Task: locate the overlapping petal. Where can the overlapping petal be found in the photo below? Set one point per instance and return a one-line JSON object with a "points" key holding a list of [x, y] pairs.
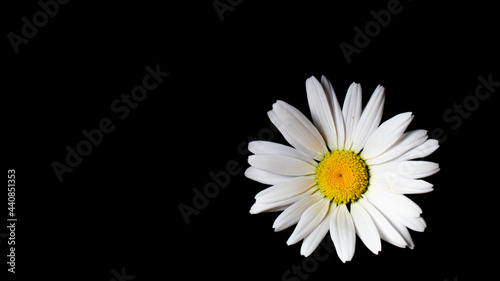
{"points": [[369, 120]]}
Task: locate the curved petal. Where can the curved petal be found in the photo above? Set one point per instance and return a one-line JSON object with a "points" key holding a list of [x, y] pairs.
{"points": [[391, 216], [343, 233], [293, 137], [422, 150], [386, 135], [407, 142], [296, 120], [401, 228], [279, 205], [351, 111], [365, 228], [298, 130], [370, 119], [312, 240], [416, 223], [309, 220], [292, 214], [285, 190], [386, 230], [282, 165], [394, 203], [320, 112], [336, 113]]}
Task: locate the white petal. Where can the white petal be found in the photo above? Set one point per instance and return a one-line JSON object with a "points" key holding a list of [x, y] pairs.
{"points": [[370, 119], [351, 111], [422, 150], [402, 230], [267, 147], [395, 203], [291, 135], [418, 187], [309, 220], [281, 105], [418, 169], [272, 207], [320, 111], [416, 224], [282, 165], [279, 208], [386, 135], [264, 176], [312, 240], [343, 233], [300, 128], [365, 228], [396, 183], [336, 113], [409, 169], [292, 214], [386, 230], [393, 217], [408, 141], [285, 190]]}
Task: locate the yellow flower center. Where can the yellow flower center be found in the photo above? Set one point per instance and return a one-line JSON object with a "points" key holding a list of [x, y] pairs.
{"points": [[342, 176]]}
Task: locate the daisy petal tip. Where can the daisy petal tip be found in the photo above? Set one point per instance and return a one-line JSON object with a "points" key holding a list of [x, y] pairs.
{"points": [[292, 240], [254, 210], [276, 104], [324, 80], [247, 172], [311, 79], [277, 228], [312, 83], [250, 159], [380, 89], [305, 253]]}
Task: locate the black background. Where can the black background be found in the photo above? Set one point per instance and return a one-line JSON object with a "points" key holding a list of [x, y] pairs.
{"points": [[119, 207]]}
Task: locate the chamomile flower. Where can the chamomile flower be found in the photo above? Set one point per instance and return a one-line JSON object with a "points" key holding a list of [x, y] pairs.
{"points": [[344, 173]]}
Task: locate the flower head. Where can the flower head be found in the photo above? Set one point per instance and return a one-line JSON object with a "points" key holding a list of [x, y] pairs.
{"points": [[344, 173]]}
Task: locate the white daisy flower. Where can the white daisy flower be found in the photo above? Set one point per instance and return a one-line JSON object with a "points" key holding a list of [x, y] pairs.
{"points": [[344, 173]]}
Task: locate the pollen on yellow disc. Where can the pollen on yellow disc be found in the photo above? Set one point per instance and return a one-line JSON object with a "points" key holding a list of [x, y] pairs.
{"points": [[342, 176]]}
